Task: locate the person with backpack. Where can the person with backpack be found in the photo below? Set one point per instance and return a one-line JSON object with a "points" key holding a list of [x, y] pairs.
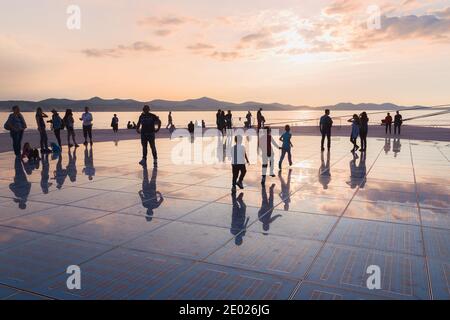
{"points": [[325, 129], [69, 124], [16, 126], [57, 126]]}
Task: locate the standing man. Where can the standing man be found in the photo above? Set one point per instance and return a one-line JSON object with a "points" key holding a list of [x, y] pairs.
{"points": [[16, 125], [115, 123], [57, 125], [229, 120], [87, 125], [325, 128], [398, 121], [249, 120], [260, 118], [148, 121], [388, 123], [40, 122]]}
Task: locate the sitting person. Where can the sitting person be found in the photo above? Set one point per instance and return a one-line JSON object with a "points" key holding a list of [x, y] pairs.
{"points": [[30, 153]]}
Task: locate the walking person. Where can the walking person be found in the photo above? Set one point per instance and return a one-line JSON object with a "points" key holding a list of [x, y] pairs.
{"points": [[325, 129], [115, 123], [87, 119], [286, 146], [363, 130], [40, 122], [238, 161], [169, 121], [16, 125], [146, 128], [57, 126], [69, 124], [398, 121], [355, 131], [388, 123], [267, 153]]}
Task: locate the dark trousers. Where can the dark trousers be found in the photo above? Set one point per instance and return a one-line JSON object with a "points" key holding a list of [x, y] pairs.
{"points": [[283, 154], [239, 171], [326, 134], [148, 138], [363, 136], [57, 133], [17, 141], [397, 126], [43, 139], [389, 127], [87, 131]]}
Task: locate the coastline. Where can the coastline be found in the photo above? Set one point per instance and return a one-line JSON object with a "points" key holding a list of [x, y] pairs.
{"points": [[105, 135]]}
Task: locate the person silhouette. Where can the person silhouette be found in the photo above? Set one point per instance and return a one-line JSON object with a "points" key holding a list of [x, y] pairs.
{"points": [[239, 221], [45, 176], [285, 189], [21, 187], [89, 168], [266, 210], [324, 171], [398, 121], [358, 172], [150, 197], [325, 124]]}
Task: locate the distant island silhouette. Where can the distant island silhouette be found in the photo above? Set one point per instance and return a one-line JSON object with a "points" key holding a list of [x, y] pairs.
{"points": [[201, 104]]}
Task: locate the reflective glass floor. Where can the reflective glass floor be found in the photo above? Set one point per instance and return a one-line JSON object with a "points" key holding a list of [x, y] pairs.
{"points": [[178, 233]]}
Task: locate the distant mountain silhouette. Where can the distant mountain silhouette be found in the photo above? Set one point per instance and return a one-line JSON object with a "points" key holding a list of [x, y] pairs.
{"points": [[201, 104]]}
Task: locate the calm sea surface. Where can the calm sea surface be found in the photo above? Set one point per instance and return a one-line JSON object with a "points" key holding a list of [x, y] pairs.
{"points": [[102, 120]]}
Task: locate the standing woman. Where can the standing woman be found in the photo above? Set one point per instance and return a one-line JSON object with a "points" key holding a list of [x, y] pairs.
{"points": [[355, 131], [69, 123], [363, 129], [40, 115], [16, 125], [57, 125]]}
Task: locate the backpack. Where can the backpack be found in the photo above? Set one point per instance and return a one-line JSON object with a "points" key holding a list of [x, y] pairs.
{"points": [[58, 123]]}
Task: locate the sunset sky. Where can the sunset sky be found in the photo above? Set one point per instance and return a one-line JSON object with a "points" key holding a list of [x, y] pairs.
{"points": [[302, 52]]}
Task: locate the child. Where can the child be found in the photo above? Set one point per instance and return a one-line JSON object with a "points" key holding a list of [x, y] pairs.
{"points": [[30, 153], [286, 147], [239, 158], [355, 132], [267, 154]]}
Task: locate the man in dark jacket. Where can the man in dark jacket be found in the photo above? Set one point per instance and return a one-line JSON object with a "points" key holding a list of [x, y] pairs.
{"points": [[325, 128], [146, 127]]}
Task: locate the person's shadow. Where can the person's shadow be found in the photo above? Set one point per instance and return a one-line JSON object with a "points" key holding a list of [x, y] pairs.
{"points": [[89, 168], [45, 175], [21, 187], [285, 189], [324, 171], [239, 221], [387, 145], [266, 211], [151, 199], [397, 146]]}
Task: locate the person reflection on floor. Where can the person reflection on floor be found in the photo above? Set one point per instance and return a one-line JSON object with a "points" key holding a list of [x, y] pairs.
{"points": [[72, 166], [266, 211], [21, 187], [285, 189], [396, 146], [59, 174], [239, 221], [387, 145], [45, 176], [151, 199], [324, 171], [358, 172], [89, 168]]}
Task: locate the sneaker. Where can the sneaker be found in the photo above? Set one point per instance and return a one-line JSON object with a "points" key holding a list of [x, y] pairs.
{"points": [[240, 185], [143, 162]]}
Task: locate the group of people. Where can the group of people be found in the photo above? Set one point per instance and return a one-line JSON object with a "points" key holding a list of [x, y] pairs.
{"points": [[16, 126]]}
